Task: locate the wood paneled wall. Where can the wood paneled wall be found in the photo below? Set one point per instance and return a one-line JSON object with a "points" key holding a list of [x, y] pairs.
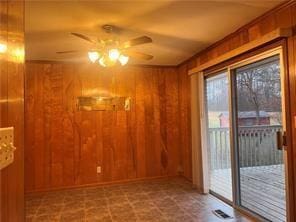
{"points": [[64, 146], [12, 107], [283, 16], [185, 121]]}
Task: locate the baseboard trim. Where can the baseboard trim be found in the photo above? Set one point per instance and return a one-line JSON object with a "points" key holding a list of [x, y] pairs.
{"points": [[99, 184]]}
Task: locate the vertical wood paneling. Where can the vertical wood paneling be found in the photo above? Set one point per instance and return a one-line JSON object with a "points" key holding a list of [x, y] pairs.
{"points": [[3, 97], [12, 108], [172, 115], [127, 145], [68, 125], [185, 121]]}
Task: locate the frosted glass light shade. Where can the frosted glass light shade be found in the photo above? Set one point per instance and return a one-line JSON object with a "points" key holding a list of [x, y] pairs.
{"points": [[93, 56], [114, 54], [123, 59]]}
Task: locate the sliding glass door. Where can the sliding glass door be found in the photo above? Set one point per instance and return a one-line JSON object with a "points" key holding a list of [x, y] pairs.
{"points": [[219, 156], [245, 127], [258, 118]]}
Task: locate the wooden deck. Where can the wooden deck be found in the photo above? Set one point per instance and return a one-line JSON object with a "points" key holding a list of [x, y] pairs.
{"points": [[262, 189]]}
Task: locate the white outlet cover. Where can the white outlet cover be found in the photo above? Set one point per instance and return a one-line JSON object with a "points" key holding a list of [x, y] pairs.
{"points": [[99, 169], [6, 146]]}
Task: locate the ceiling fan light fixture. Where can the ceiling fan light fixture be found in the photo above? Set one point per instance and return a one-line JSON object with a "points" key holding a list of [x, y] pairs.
{"points": [[114, 54], [93, 56], [110, 51], [102, 61], [123, 59], [3, 48]]}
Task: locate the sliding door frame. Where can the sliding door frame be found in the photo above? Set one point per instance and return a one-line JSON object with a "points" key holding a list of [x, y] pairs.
{"points": [[277, 48], [206, 125], [267, 54]]}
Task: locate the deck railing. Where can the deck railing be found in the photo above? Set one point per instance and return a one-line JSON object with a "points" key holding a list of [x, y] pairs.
{"points": [[257, 146]]}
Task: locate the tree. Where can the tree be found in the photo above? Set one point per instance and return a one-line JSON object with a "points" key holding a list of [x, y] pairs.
{"points": [[258, 89]]}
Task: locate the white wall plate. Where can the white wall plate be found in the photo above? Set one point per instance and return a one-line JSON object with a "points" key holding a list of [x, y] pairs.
{"points": [[6, 146]]}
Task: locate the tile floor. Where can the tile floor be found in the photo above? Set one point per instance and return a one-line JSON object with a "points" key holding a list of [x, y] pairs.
{"points": [[169, 200]]}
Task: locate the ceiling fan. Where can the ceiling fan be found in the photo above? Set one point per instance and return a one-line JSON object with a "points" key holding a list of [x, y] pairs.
{"points": [[108, 52]]}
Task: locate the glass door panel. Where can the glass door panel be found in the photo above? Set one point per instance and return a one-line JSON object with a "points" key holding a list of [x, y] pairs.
{"points": [[258, 119], [218, 136]]}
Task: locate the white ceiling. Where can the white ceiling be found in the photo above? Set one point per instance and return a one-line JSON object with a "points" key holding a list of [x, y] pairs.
{"points": [[179, 29]]}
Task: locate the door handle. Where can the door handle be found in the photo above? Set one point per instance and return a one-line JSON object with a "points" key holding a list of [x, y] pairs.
{"points": [[281, 140]]}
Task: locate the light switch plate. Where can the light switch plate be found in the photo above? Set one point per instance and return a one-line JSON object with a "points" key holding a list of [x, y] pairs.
{"points": [[6, 146]]}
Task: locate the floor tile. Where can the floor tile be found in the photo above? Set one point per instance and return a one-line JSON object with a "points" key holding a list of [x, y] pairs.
{"points": [[166, 200]]}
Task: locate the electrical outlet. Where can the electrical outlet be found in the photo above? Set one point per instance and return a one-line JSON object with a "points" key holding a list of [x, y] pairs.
{"points": [[99, 169]]}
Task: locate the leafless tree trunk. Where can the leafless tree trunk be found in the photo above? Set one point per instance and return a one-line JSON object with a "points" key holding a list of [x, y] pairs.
{"points": [[247, 81]]}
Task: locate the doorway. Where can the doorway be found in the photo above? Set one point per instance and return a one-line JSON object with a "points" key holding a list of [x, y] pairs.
{"points": [[245, 128]]}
